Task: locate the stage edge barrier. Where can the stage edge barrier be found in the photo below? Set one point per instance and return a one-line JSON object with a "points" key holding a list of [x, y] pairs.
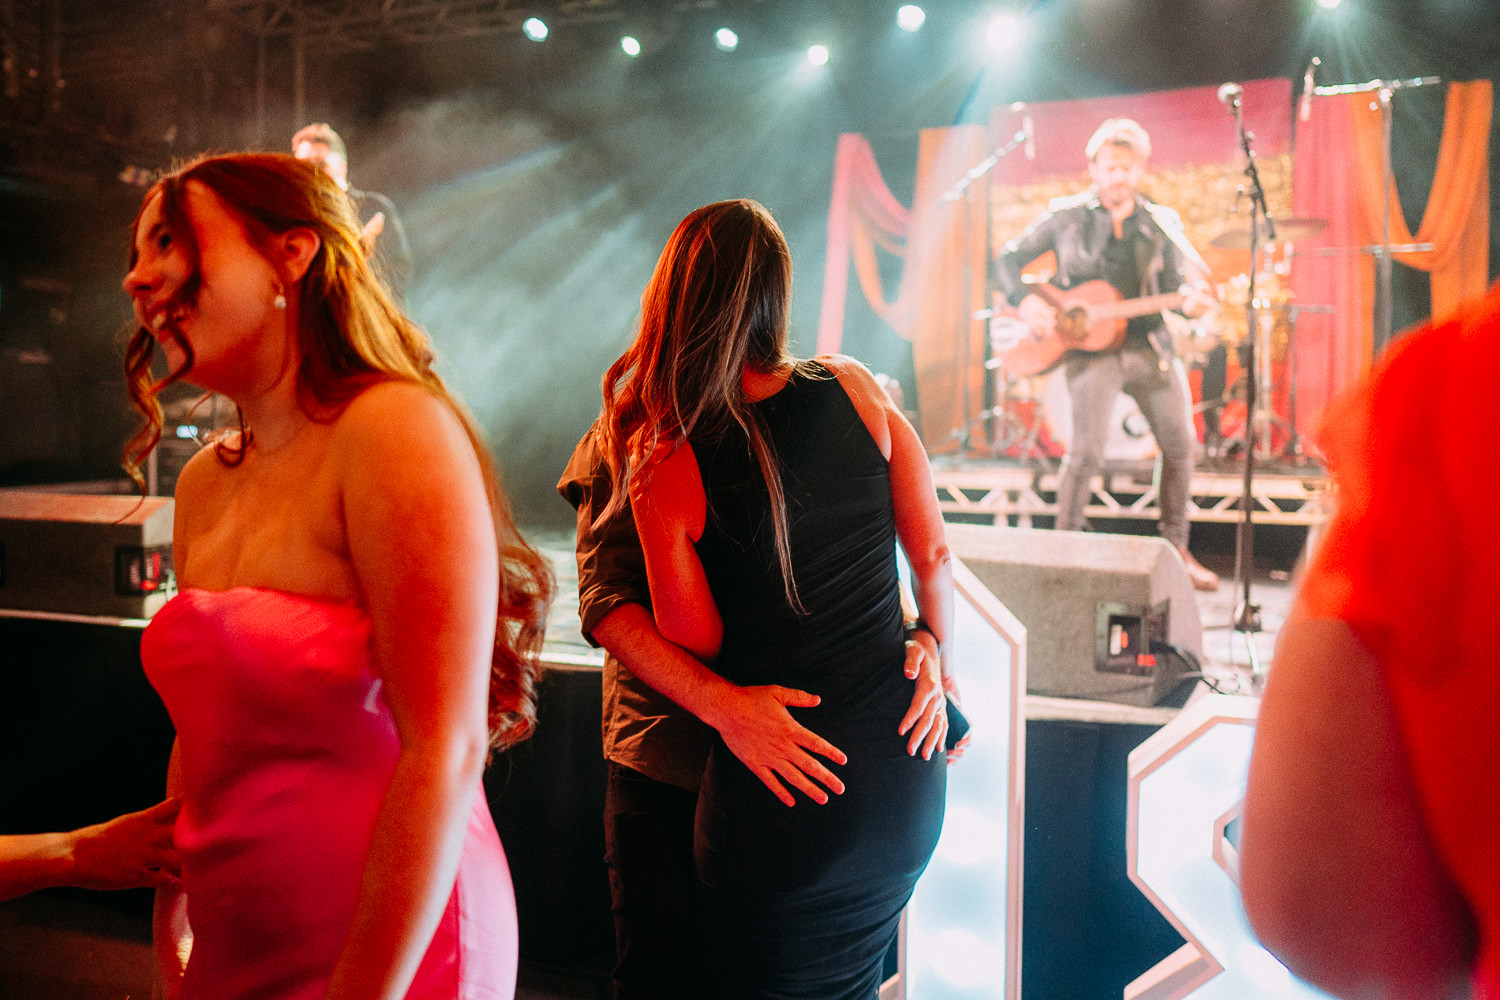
{"points": [[961, 934]]}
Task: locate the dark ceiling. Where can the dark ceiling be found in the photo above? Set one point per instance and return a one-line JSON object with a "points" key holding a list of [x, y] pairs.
{"points": [[153, 79]]}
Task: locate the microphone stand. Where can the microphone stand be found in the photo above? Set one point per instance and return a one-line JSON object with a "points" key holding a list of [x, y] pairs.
{"points": [[964, 189], [1247, 616]]}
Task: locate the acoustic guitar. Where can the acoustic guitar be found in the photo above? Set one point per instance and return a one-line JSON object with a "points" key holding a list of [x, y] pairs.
{"points": [[1090, 317]]}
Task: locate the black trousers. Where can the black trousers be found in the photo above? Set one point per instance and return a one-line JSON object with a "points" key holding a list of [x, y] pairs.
{"points": [[648, 845]]}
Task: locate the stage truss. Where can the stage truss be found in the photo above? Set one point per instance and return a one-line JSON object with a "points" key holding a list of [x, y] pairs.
{"points": [[998, 493]]}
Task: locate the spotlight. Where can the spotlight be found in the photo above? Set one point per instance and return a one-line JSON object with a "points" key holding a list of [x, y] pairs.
{"points": [[535, 29], [631, 46], [726, 39], [910, 17], [1004, 32], [1329, 4], [817, 55]]}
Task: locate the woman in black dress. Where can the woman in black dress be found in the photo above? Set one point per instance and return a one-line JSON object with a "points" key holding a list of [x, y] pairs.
{"points": [[769, 495]]}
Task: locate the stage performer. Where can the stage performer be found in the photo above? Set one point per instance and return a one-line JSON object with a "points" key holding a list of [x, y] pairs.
{"points": [[656, 747], [1372, 814], [358, 620], [319, 144], [769, 495], [1112, 233]]}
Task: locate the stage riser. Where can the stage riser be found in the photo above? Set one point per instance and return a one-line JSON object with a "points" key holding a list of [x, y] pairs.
{"points": [[1015, 495]]}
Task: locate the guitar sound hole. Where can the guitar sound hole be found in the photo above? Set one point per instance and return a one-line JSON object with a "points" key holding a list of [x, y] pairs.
{"points": [[1073, 324]]}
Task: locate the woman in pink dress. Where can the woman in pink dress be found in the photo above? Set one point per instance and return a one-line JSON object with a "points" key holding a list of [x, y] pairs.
{"points": [[358, 619]]}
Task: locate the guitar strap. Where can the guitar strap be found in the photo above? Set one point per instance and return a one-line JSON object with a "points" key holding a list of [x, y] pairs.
{"points": [[1150, 261], [1170, 224]]}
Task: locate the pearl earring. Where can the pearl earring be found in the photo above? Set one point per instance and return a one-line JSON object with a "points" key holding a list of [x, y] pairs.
{"points": [[280, 300]]}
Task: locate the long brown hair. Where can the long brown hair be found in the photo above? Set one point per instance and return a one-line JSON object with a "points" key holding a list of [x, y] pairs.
{"points": [[717, 302], [351, 335]]}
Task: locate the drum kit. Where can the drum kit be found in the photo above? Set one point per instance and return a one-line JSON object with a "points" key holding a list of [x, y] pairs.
{"points": [[1031, 415]]}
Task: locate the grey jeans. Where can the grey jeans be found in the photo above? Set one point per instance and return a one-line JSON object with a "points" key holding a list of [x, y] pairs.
{"points": [[1094, 380]]}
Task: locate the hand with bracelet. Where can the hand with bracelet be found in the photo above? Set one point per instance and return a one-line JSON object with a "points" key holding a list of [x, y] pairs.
{"points": [[936, 699]]}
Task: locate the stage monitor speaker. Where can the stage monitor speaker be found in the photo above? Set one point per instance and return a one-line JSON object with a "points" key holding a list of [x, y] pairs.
{"points": [[85, 554], [1099, 609]]}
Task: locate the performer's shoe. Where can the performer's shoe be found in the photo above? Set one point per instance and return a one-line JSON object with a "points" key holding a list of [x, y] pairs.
{"points": [[1203, 578]]}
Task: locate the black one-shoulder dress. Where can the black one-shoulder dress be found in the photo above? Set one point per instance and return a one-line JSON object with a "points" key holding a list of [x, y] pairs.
{"points": [[804, 901]]}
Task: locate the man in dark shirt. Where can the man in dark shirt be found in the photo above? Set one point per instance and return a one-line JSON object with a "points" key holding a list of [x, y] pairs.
{"points": [[657, 746], [1111, 232], [383, 236]]}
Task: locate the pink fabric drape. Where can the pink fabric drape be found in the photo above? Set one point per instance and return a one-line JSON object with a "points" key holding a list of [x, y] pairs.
{"points": [[864, 214], [942, 284]]}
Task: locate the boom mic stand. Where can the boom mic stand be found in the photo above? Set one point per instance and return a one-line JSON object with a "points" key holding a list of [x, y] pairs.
{"points": [[1247, 615], [964, 189]]}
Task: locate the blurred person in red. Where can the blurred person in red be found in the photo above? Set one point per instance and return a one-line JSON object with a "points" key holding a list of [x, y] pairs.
{"points": [[1372, 816]]}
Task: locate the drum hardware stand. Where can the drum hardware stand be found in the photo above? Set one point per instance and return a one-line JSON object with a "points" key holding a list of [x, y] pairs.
{"points": [[964, 189], [1261, 386], [1294, 449], [1247, 616], [1383, 90], [1011, 430]]}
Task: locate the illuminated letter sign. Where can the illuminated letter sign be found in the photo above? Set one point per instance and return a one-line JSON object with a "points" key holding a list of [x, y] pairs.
{"points": [[1187, 787]]}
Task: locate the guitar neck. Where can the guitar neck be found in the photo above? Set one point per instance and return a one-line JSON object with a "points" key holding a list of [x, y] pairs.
{"points": [[1131, 308], [1100, 310]]}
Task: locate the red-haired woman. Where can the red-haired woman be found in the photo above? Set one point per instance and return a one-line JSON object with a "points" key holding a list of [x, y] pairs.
{"points": [[357, 620], [769, 495]]}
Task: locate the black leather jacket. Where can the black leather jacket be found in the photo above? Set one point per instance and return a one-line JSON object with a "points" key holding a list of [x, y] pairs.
{"points": [[1078, 229]]}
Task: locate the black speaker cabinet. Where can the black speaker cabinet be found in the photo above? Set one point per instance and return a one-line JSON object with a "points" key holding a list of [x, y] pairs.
{"points": [[85, 554], [1099, 609]]}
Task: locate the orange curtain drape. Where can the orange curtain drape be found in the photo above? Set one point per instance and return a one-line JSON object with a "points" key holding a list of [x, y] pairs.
{"points": [[944, 285], [1457, 219], [1334, 280]]}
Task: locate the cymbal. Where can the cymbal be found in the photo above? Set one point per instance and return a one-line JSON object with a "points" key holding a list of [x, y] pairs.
{"points": [[1287, 231]]}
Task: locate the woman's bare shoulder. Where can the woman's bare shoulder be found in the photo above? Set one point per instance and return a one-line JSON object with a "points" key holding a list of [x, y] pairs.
{"points": [[396, 411], [392, 398], [858, 381], [869, 399], [843, 366], [202, 473]]}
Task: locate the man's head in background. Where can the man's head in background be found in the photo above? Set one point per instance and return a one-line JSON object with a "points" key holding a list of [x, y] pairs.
{"points": [[318, 143]]}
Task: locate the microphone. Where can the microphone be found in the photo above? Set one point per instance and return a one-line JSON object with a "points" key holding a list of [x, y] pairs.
{"points": [[1027, 135], [1304, 109], [1229, 95]]}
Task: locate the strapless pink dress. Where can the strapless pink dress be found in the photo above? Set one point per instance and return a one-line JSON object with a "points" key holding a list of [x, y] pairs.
{"points": [[287, 748]]}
